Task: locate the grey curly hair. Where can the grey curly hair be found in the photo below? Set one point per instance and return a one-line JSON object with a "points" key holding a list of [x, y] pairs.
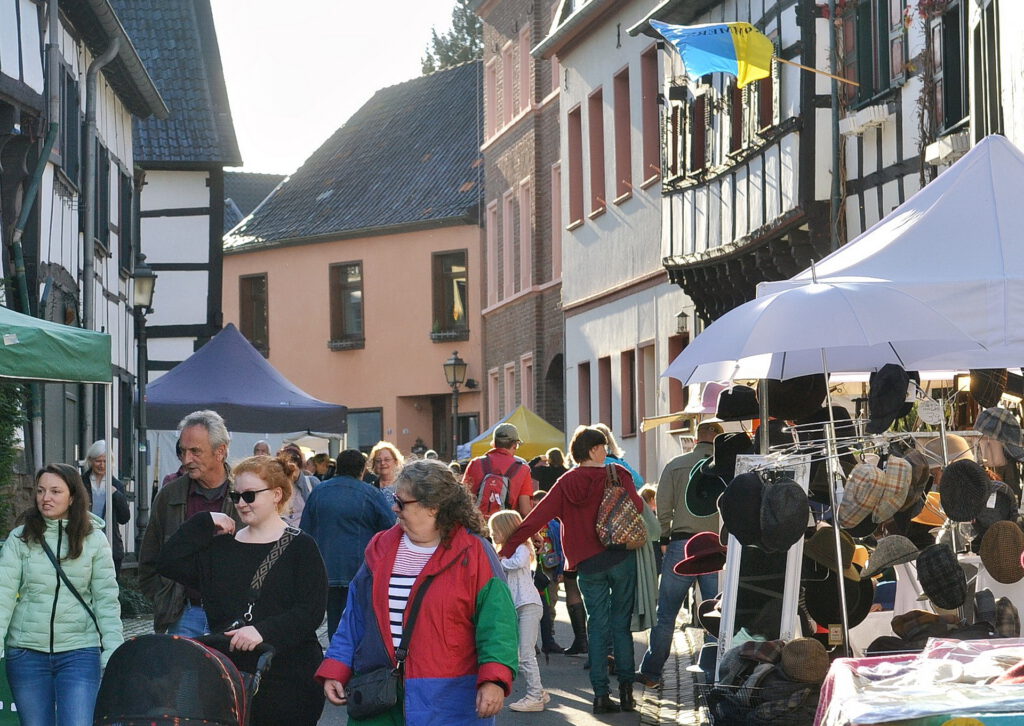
{"points": [[434, 486]]}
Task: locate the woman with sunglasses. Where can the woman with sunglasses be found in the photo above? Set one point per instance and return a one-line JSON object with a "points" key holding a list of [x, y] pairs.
{"points": [[464, 646], [209, 554]]}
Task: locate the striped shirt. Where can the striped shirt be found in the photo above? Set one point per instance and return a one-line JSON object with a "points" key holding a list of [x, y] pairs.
{"points": [[409, 563]]}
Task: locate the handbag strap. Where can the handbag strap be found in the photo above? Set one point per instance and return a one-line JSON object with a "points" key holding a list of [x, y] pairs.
{"points": [[402, 651], [260, 575], [67, 582], [613, 476]]}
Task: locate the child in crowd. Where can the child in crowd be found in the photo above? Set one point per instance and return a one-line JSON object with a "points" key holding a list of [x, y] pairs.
{"points": [[528, 606], [547, 543]]}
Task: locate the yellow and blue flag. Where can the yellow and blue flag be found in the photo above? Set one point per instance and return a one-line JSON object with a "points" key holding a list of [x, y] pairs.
{"points": [[736, 48]]}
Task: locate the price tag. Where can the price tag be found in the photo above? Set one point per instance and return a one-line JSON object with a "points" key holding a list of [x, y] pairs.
{"points": [[835, 634], [930, 411], [991, 503], [11, 339]]}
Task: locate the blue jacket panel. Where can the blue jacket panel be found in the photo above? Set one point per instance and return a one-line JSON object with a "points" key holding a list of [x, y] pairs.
{"points": [[342, 515]]}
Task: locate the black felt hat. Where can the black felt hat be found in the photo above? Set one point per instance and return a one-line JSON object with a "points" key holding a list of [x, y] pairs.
{"points": [[727, 448], [778, 435], [818, 486], [738, 403], [886, 396], [812, 427], [795, 398], [941, 577], [784, 514], [703, 490], [963, 490], [740, 507], [821, 596]]}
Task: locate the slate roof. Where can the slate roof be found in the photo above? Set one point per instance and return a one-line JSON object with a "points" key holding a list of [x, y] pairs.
{"points": [[410, 156], [178, 43], [243, 192]]}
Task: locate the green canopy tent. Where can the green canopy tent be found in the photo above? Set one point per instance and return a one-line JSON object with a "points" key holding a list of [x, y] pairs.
{"points": [[39, 350]]}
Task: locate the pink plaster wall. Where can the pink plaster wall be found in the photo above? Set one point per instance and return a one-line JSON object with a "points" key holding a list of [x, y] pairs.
{"points": [[399, 359]]}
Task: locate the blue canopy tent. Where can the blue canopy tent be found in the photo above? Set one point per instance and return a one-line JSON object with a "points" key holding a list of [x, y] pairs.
{"points": [[229, 376]]}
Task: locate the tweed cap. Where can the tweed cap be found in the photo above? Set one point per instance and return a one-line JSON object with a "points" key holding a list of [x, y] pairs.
{"points": [[863, 491], [941, 577], [805, 660], [738, 403], [964, 490], [892, 550], [784, 513], [886, 396], [1001, 550], [702, 555], [1003, 507], [895, 485], [795, 398], [821, 548], [918, 624], [740, 507], [984, 606], [1007, 618], [1001, 424], [920, 474]]}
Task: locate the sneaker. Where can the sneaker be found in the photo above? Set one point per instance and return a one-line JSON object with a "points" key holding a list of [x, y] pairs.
{"points": [[527, 704], [545, 697]]}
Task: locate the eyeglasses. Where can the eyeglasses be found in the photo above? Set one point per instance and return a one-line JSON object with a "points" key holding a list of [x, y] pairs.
{"points": [[400, 503], [248, 497]]}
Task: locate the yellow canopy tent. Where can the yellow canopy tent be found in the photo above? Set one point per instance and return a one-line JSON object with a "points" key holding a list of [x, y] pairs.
{"points": [[537, 435]]}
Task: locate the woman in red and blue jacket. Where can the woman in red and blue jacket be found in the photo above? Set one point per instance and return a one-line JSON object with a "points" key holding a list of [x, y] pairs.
{"points": [[464, 648]]}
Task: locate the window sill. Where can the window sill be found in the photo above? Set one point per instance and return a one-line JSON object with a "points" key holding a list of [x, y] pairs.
{"points": [[630, 435], [447, 336], [346, 344], [649, 181], [597, 212], [624, 197], [575, 224]]}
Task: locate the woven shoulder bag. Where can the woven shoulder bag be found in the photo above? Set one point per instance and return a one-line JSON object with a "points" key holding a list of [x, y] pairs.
{"points": [[619, 525]]}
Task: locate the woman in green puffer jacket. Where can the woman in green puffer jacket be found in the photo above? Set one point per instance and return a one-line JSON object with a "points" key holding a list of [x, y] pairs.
{"points": [[51, 640]]}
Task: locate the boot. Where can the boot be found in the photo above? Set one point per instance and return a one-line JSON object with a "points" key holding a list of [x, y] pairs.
{"points": [[578, 618], [626, 700], [605, 704], [547, 632]]}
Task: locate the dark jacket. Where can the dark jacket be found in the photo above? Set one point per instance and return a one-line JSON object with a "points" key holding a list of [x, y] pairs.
{"points": [[166, 515], [342, 515], [122, 512]]}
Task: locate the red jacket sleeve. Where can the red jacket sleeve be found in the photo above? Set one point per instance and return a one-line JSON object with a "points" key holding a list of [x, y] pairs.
{"points": [[472, 475], [546, 510]]}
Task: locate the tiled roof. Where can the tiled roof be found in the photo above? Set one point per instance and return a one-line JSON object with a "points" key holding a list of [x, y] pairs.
{"points": [[409, 156], [178, 43], [246, 190]]}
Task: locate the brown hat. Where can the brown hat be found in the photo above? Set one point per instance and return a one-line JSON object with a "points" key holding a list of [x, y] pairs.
{"points": [[914, 502], [821, 548], [805, 660], [1000, 552]]}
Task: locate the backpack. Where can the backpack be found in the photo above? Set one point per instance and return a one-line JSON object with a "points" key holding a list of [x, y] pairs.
{"points": [[619, 526], [493, 493]]}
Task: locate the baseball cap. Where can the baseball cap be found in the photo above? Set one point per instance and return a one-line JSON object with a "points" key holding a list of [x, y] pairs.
{"points": [[506, 432]]}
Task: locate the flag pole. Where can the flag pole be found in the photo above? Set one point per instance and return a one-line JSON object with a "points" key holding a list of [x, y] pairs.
{"points": [[815, 70]]}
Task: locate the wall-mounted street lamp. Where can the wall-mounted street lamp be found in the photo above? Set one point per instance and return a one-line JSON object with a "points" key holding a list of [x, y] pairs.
{"points": [[455, 375]]}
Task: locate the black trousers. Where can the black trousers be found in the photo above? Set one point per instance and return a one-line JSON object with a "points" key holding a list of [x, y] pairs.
{"points": [[337, 595]]}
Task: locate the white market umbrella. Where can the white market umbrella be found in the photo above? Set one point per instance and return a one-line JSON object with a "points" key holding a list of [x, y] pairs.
{"points": [[862, 326]]}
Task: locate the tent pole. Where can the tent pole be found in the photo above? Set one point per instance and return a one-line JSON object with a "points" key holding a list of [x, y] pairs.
{"points": [[830, 452], [108, 429]]}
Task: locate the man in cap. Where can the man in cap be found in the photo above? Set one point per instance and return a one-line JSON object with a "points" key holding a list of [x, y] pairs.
{"points": [[501, 462], [203, 487], [678, 524]]}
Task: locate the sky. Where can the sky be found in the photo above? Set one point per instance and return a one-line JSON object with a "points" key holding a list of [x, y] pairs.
{"points": [[297, 70]]}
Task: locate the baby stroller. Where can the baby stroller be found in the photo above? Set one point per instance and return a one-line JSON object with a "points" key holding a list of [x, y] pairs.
{"points": [[160, 680]]}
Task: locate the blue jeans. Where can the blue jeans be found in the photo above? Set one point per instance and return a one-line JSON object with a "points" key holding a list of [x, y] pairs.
{"points": [[671, 592], [54, 690], [191, 624], [609, 597]]}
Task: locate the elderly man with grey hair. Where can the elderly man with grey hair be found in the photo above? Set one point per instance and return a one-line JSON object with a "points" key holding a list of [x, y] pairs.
{"points": [[203, 488]]}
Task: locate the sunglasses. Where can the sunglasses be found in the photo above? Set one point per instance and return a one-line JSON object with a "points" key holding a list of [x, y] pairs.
{"points": [[400, 503], [248, 497]]}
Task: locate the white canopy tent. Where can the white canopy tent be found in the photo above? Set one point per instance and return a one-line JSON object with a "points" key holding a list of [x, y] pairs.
{"points": [[957, 246]]}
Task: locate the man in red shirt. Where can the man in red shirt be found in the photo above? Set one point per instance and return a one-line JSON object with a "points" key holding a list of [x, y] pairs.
{"points": [[502, 461]]}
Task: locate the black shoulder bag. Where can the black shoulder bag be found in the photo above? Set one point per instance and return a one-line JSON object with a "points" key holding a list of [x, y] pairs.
{"points": [[375, 692], [256, 585], [68, 585]]}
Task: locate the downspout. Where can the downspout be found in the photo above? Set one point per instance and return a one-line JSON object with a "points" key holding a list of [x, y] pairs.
{"points": [[833, 67], [20, 277], [89, 194]]}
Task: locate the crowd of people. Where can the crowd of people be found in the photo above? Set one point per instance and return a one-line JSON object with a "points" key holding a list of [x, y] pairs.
{"points": [[263, 550]]}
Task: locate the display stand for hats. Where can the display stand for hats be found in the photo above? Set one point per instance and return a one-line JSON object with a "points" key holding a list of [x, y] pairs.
{"points": [[800, 467]]}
